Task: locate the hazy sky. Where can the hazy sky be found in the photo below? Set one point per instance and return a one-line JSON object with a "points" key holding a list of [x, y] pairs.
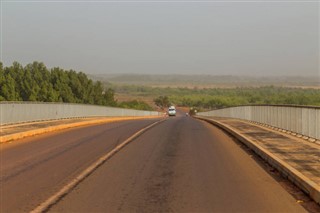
{"points": [[198, 37]]}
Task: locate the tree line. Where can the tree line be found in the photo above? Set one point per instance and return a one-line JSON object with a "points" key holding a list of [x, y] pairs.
{"points": [[35, 82], [212, 98], [218, 98]]}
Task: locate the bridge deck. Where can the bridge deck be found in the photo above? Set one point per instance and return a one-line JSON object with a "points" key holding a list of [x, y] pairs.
{"points": [[300, 154]]}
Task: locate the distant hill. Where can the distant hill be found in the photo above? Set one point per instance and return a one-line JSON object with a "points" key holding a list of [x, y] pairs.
{"points": [[203, 81]]}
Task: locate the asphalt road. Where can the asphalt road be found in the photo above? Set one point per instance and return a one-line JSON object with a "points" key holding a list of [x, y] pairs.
{"points": [[34, 168], [180, 165]]}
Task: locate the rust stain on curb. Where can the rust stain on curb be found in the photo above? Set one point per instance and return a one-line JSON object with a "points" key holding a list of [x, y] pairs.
{"points": [[20, 135], [303, 182]]}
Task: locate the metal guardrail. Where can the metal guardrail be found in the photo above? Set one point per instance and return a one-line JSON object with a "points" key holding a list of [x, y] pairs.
{"points": [[18, 112], [299, 119]]}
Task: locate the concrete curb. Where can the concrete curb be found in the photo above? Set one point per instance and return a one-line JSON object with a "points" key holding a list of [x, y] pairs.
{"points": [[300, 180], [20, 135], [284, 131]]}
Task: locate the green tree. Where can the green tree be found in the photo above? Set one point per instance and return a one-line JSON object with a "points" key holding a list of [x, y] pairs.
{"points": [[162, 101], [2, 82], [109, 97], [8, 89], [135, 104]]}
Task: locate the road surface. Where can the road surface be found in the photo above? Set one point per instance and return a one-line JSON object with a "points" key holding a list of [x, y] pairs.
{"points": [[179, 165]]}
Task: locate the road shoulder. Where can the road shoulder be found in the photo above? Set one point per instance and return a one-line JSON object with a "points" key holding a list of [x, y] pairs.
{"points": [[295, 158]]}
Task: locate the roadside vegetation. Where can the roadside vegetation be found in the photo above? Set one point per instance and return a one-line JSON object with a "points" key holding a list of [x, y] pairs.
{"points": [[35, 82], [135, 104], [162, 101], [212, 98]]}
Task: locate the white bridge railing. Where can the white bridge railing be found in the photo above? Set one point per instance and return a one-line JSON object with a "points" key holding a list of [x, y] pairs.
{"points": [[18, 112], [304, 120]]}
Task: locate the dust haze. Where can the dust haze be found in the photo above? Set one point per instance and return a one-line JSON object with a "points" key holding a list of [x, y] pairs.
{"points": [[257, 38]]}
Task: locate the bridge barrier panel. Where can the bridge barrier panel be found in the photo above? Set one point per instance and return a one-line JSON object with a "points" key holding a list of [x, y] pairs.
{"points": [[304, 120], [18, 112]]}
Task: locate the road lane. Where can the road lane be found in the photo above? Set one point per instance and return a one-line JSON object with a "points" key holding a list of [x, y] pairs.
{"points": [[181, 165], [33, 169]]}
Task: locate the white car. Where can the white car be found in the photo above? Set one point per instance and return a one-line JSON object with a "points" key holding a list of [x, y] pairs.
{"points": [[172, 111]]}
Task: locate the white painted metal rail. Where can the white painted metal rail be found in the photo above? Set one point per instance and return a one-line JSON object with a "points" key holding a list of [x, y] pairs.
{"points": [[304, 120], [18, 112]]}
